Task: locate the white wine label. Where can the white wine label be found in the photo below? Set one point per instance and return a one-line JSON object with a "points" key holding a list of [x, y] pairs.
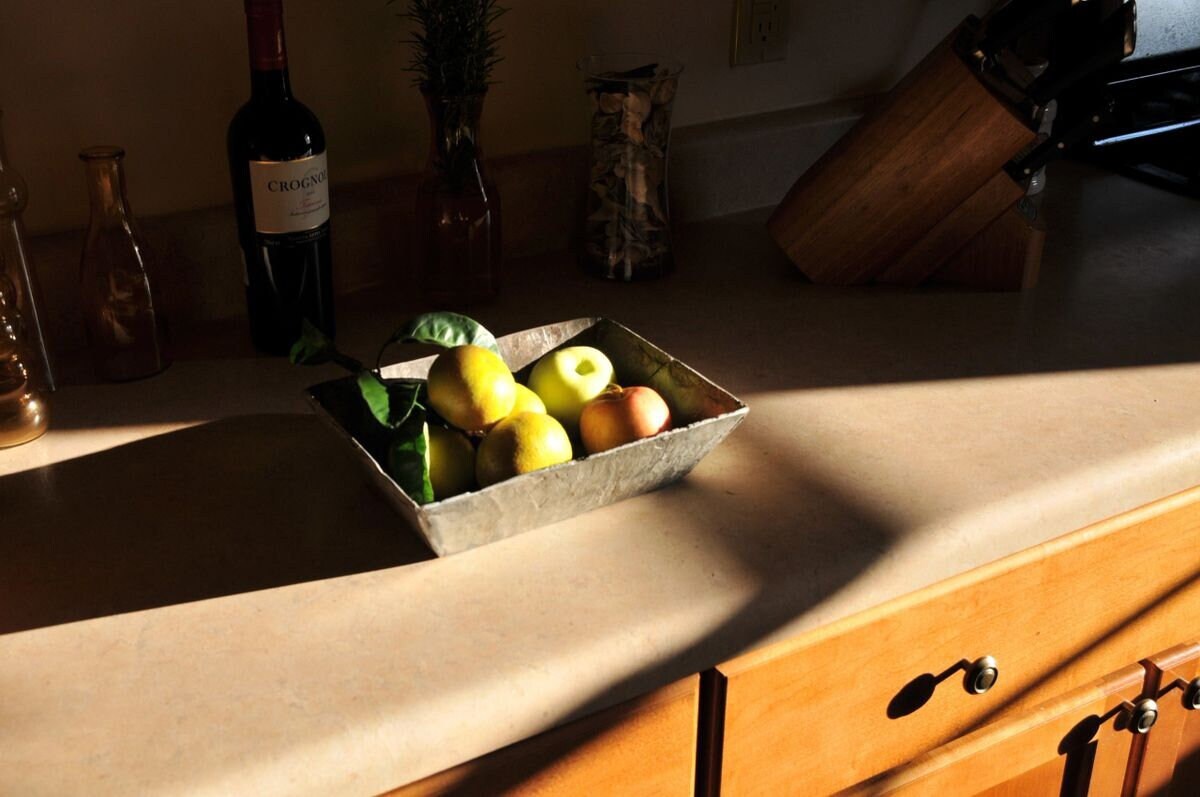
{"points": [[290, 196]]}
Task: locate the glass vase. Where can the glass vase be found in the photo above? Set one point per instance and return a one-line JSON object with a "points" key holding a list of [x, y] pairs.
{"points": [[627, 232], [15, 266], [127, 330], [458, 208]]}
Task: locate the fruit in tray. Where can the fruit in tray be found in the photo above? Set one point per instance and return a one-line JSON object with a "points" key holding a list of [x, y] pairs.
{"points": [[527, 401], [566, 379], [521, 443], [471, 388], [471, 424], [622, 415], [451, 462]]}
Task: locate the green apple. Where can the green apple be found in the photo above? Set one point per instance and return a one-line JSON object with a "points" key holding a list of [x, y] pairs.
{"points": [[567, 379]]}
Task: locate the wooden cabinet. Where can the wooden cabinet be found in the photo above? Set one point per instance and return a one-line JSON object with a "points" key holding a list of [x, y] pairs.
{"points": [[1166, 761], [845, 703], [1077, 744], [899, 699], [1082, 743], [646, 747]]}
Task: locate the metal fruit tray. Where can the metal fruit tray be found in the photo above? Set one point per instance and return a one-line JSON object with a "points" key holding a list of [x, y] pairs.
{"points": [[702, 412]]}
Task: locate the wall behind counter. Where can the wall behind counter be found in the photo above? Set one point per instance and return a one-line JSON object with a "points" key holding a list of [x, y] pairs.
{"points": [[163, 77]]}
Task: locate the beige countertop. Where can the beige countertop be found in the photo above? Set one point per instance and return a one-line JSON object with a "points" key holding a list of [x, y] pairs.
{"points": [[200, 595]]}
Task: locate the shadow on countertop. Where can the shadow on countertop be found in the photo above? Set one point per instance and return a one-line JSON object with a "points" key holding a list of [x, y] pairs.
{"points": [[230, 507], [1110, 297], [1119, 289], [792, 580]]}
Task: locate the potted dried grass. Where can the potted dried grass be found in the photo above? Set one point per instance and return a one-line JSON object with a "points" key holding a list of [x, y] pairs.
{"points": [[455, 47]]}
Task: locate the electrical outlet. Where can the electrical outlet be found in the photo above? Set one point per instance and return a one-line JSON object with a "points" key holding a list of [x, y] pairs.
{"points": [[760, 29]]}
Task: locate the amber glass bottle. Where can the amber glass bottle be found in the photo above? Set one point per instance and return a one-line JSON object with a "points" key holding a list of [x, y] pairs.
{"points": [[458, 208], [127, 330]]}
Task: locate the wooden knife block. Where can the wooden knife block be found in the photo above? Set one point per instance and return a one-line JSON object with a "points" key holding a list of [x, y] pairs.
{"points": [[1005, 256], [910, 185]]}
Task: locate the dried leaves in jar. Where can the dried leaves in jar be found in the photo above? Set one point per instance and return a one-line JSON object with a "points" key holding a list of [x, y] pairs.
{"points": [[627, 231]]}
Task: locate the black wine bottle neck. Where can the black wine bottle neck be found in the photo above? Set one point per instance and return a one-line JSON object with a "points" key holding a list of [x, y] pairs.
{"points": [[270, 84], [268, 51]]}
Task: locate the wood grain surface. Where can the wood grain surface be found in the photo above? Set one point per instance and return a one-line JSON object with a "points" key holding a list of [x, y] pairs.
{"points": [[933, 142], [1005, 256], [1074, 744], [954, 231], [842, 704], [646, 747], [1175, 736]]}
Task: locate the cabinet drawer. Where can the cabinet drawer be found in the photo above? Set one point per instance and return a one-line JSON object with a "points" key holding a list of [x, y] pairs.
{"points": [[646, 746], [1078, 743], [844, 703], [1165, 761]]}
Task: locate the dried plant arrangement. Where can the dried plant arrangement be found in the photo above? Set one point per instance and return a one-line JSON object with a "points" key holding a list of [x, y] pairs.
{"points": [[627, 231], [455, 44]]}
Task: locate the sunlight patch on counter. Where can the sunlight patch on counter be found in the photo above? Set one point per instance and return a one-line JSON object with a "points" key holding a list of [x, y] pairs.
{"points": [[59, 445]]}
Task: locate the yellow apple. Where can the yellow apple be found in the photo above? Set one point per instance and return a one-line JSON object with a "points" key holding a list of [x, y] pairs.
{"points": [[567, 379]]}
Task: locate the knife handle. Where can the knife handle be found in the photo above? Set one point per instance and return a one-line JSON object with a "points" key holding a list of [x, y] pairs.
{"points": [[1055, 146], [1118, 37]]}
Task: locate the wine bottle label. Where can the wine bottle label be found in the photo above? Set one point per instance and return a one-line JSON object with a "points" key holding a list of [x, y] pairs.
{"points": [[290, 196]]}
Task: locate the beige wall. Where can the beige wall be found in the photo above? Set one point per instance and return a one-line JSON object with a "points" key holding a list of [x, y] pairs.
{"points": [[162, 78]]}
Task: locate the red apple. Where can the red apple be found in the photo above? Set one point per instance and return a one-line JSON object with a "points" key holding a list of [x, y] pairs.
{"points": [[621, 415]]}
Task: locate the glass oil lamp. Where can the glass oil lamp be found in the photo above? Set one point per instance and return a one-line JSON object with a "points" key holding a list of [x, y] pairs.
{"points": [[23, 412], [17, 268]]}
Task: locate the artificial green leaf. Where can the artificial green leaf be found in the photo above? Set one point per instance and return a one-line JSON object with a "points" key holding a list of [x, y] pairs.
{"points": [[375, 394], [391, 401], [314, 347], [403, 398], [442, 329], [408, 458]]}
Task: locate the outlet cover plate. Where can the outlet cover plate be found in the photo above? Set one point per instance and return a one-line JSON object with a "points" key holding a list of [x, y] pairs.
{"points": [[760, 29]]}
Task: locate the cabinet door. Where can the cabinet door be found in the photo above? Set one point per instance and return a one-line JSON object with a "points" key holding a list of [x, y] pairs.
{"points": [[646, 746], [1167, 760], [1075, 745], [841, 704]]}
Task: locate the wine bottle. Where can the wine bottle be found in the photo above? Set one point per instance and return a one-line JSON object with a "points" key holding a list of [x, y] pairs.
{"points": [[281, 194]]}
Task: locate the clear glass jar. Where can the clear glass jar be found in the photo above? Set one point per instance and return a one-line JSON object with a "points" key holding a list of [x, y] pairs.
{"points": [[127, 330], [627, 233]]}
